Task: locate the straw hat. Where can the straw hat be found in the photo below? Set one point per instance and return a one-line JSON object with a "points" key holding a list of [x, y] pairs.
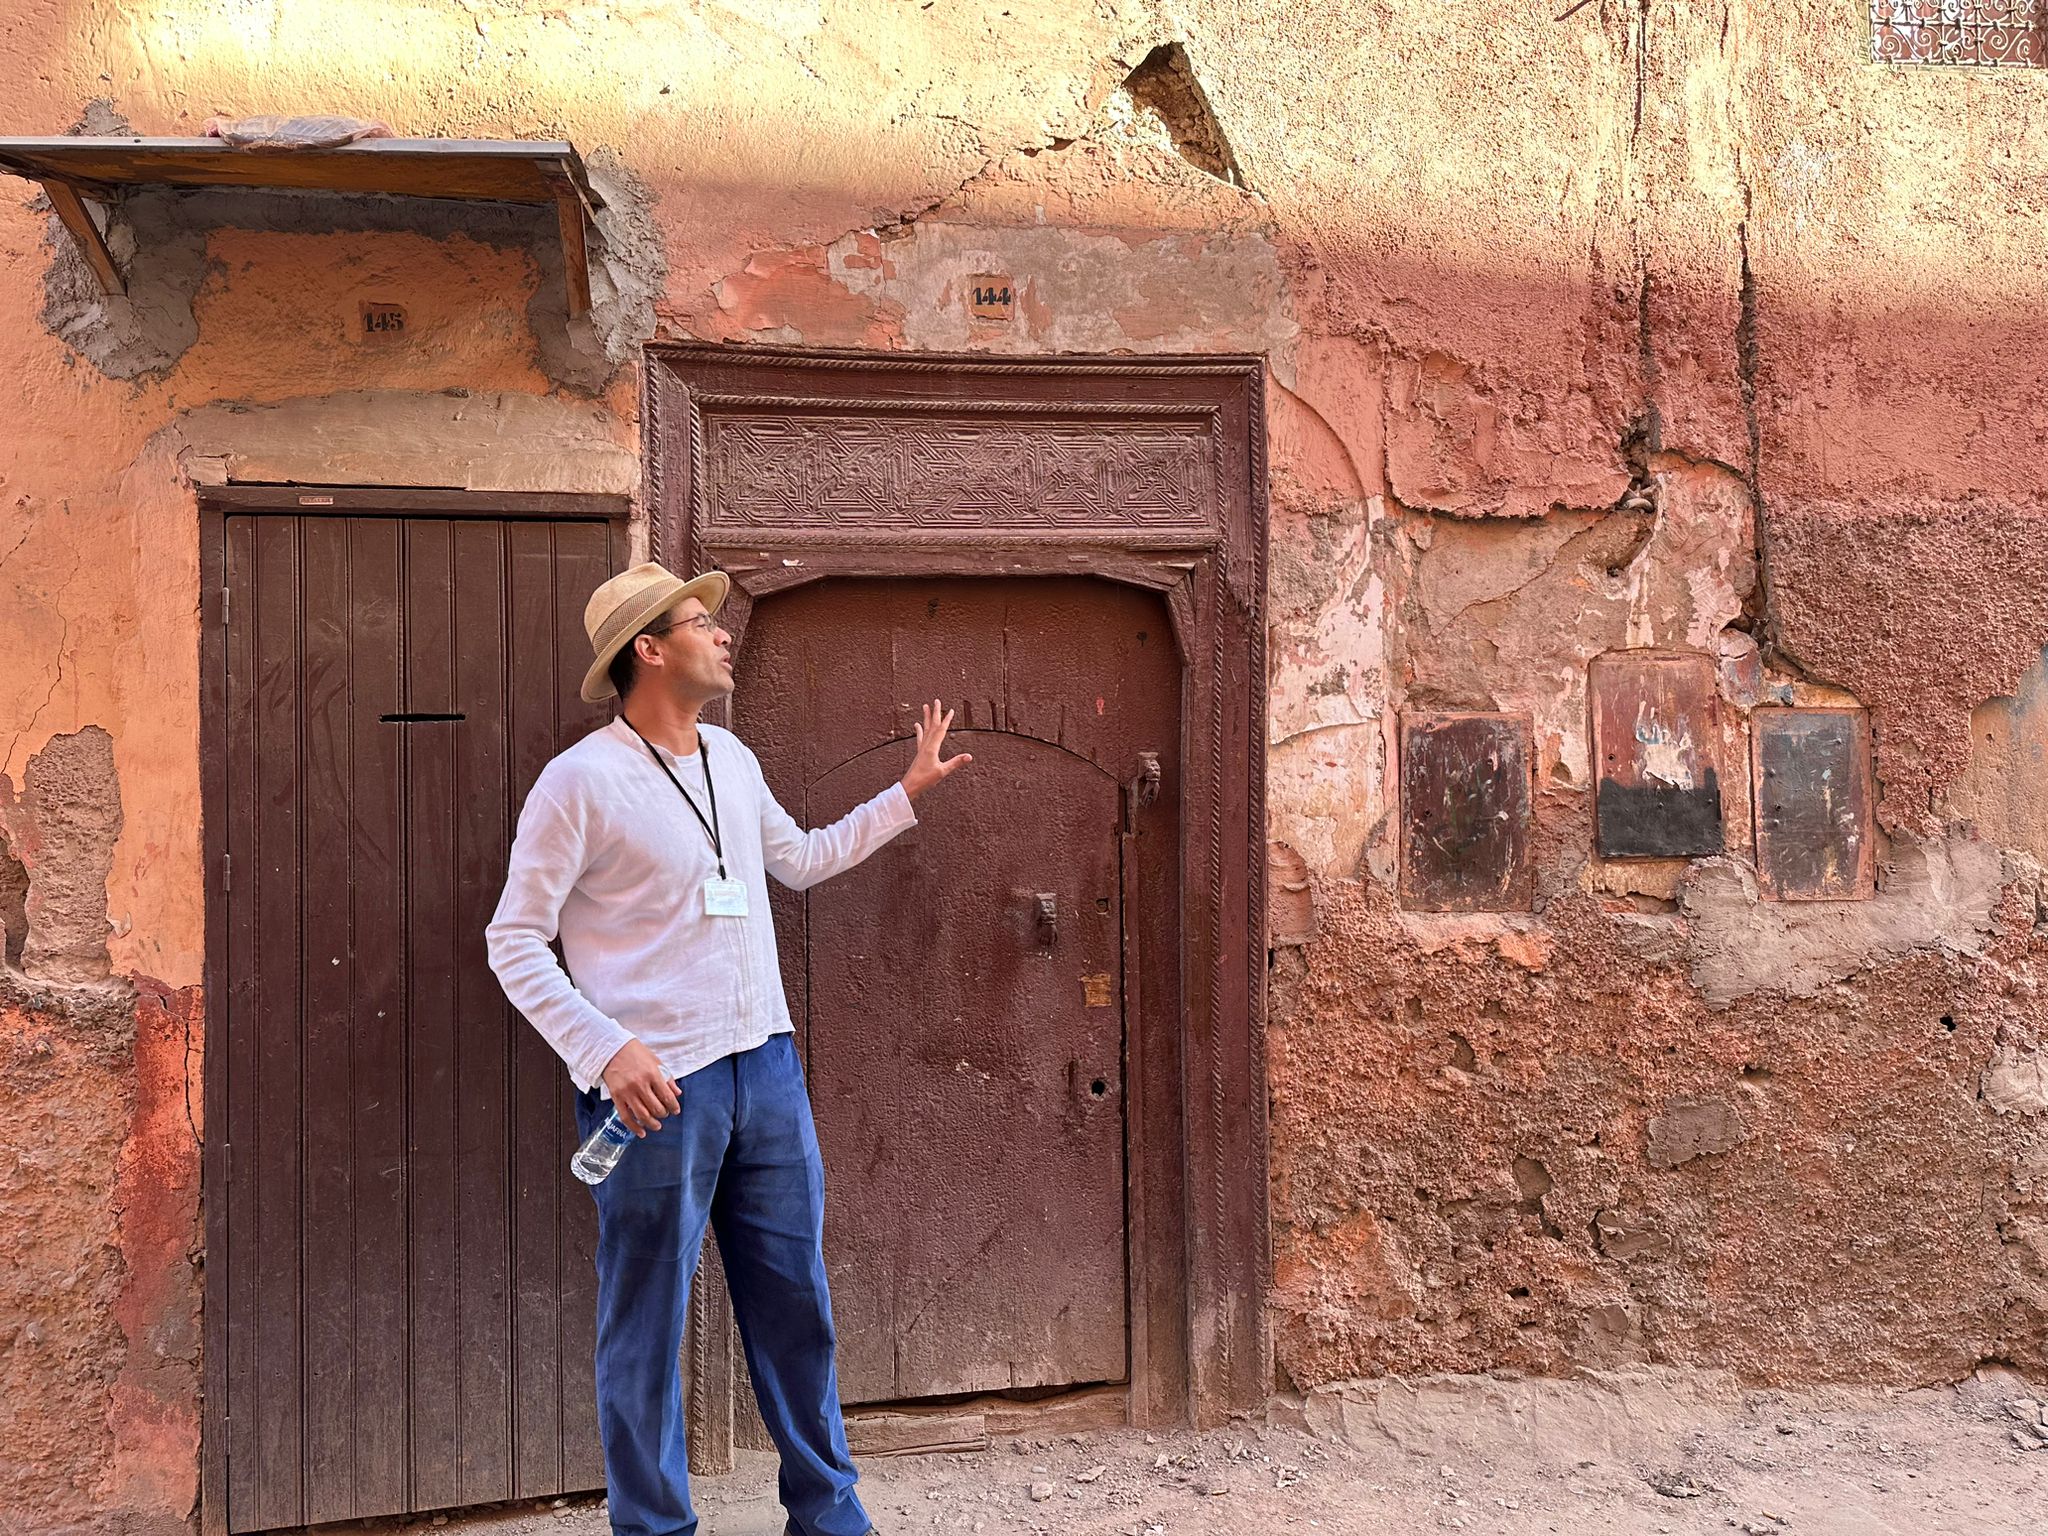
{"points": [[628, 603]]}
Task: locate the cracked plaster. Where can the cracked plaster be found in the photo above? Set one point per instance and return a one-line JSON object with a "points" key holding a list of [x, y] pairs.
{"points": [[1501, 284]]}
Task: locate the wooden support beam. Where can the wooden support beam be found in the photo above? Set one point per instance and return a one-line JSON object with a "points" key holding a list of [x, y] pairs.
{"points": [[85, 231], [572, 215]]}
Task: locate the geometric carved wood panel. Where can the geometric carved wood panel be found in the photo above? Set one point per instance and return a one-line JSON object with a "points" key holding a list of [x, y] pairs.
{"points": [[931, 470]]}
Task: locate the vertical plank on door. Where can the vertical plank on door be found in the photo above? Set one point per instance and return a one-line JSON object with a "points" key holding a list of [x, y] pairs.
{"points": [[269, 1161], [482, 1117], [377, 928], [433, 943], [326, 1089], [241, 1413], [536, 1071], [582, 562]]}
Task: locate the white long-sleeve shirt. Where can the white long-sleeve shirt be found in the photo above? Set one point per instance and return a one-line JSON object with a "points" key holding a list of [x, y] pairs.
{"points": [[608, 855]]}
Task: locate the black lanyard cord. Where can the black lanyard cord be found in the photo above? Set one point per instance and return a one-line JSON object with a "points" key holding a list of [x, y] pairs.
{"points": [[710, 789]]}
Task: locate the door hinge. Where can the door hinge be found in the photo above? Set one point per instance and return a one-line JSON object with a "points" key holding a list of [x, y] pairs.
{"points": [[227, 872], [224, 595]]}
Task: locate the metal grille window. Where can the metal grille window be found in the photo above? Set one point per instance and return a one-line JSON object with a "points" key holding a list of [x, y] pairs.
{"points": [[1960, 32]]}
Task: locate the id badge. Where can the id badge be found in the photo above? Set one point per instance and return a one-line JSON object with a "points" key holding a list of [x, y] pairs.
{"points": [[725, 898]]}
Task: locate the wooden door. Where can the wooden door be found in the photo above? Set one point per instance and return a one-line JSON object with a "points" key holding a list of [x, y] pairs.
{"points": [[409, 1293], [964, 991]]}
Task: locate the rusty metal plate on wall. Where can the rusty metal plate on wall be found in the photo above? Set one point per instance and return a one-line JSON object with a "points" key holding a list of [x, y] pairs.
{"points": [[1465, 803], [1812, 770], [1657, 789]]}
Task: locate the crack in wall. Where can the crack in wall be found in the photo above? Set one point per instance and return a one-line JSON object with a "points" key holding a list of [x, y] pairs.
{"points": [[1764, 625], [56, 682]]}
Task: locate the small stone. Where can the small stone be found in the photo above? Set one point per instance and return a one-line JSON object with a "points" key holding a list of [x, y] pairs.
{"points": [[1090, 1475], [1213, 1488], [440, 1519], [1040, 1492], [1787, 1429], [1682, 1486], [2027, 1442]]}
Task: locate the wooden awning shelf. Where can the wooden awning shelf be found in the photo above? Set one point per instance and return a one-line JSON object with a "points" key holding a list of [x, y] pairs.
{"points": [[76, 170]]}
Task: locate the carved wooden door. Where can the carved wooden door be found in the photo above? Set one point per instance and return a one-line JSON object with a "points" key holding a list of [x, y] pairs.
{"points": [[964, 991], [409, 1295]]}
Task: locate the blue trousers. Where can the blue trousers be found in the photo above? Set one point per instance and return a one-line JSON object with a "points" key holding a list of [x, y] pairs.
{"points": [[742, 1155]]}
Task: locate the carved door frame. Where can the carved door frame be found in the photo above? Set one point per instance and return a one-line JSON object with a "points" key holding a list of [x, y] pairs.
{"points": [[783, 467]]}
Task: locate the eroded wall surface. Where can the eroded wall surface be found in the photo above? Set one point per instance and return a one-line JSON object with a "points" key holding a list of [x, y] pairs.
{"points": [[1672, 326]]}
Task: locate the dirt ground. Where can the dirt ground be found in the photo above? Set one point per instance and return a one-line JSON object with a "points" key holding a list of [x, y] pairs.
{"points": [[1640, 1453]]}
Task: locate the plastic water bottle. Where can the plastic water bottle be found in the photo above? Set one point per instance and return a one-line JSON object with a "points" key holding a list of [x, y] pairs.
{"points": [[598, 1156]]}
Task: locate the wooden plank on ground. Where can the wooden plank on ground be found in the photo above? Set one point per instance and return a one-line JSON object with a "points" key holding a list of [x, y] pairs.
{"points": [[915, 1434]]}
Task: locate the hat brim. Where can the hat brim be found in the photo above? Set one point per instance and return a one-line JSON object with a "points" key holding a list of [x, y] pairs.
{"points": [[709, 589]]}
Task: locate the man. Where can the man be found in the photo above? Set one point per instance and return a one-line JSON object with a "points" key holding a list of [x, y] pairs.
{"points": [[647, 846]]}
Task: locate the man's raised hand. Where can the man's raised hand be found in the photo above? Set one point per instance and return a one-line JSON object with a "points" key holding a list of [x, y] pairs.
{"points": [[925, 768]]}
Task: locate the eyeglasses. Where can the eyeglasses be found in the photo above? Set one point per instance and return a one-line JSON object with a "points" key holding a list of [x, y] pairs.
{"points": [[702, 622]]}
